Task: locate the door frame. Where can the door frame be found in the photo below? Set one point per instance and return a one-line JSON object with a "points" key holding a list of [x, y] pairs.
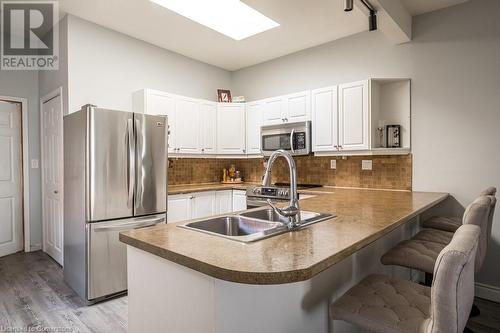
{"points": [[25, 186], [53, 94]]}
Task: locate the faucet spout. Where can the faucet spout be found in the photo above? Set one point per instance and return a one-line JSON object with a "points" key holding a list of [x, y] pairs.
{"points": [[292, 212]]}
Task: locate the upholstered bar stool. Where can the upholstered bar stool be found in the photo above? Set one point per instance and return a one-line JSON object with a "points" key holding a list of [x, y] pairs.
{"points": [[380, 303], [421, 251], [451, 224]]}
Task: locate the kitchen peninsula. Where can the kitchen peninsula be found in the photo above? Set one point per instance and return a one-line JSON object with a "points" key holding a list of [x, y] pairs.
{"points": [[186, 281]]}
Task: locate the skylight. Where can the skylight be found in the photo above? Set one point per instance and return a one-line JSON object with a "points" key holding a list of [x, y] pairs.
{"points": [[232, 18]]}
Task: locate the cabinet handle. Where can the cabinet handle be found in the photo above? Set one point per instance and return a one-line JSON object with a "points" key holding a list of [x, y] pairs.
{"points": [[286, 119], [336, 147], [244, 150], [191, 197], [202, 149]]}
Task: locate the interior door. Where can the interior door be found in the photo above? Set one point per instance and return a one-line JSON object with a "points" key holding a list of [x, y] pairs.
{"points": [[151, 164], [52, 174], [11, 221], [111, 153]]}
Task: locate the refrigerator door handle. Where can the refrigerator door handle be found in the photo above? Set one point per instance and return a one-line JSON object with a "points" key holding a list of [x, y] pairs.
{"points": [[131, 162], [133, 225], [139, 188]]}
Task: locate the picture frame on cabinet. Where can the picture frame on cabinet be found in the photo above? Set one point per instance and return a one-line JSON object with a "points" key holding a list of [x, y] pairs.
{"points": [[224, 96]]}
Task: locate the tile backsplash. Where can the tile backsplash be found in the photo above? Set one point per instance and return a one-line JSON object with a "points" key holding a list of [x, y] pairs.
{"points": [[388, 172]]}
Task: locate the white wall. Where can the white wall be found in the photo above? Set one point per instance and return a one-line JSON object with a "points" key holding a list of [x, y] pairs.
{"points": [[25, 84], [454, 64], [106, 67]]}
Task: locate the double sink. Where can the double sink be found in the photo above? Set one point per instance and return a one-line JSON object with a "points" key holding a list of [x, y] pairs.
{"points": [[251, 225]]}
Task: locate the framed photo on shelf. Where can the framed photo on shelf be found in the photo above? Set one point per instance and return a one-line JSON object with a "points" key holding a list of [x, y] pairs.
{"points": [[224, 96]]}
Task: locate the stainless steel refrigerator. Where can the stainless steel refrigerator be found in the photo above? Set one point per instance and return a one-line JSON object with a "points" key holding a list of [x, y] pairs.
{"points": [[115, 179]]}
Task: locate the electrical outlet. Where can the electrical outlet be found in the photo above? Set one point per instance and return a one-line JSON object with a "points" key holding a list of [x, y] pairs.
{"points": [[333, 164], [34, 164], [366, 165]]}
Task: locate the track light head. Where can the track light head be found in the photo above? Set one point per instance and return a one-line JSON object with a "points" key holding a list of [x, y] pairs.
{"points": [[348, 4]]}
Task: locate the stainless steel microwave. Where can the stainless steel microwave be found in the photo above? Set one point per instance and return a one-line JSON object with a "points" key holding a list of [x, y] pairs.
{"points": [[293, 137]]}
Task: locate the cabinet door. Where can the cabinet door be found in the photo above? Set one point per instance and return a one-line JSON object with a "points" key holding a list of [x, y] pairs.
{"points": [[254, 122], [208, 126], [187, 125], [164, 104], [273, 109], [203, 204], [179, 208], [239, 200], [324, 119], [231, 129], [223, 202], [298, 107], [354, 116]]}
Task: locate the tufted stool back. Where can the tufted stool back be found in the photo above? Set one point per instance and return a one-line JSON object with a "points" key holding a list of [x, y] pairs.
{"points": [[480, 213], [452, 292]]}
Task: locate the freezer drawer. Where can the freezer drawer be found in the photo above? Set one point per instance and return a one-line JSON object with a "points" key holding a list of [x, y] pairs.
{"points": [[107, 256]]}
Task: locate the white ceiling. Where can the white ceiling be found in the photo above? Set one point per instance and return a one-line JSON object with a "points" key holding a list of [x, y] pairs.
{"points": [[303, 24]]}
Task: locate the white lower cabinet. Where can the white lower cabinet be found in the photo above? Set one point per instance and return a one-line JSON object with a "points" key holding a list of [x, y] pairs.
{"points": [[182, 207], [203, 204], [179, 207], [223, 202], [239, 200]]}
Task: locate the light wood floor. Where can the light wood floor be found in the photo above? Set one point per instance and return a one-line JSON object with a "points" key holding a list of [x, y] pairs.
{"points": [[32, 293]]}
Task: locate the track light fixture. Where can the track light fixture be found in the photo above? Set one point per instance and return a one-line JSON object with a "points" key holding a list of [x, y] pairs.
{"points": [[372, 19], [348, 5]]}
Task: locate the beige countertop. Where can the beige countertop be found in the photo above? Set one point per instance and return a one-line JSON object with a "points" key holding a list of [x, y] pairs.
{"points": [[363, 216]]}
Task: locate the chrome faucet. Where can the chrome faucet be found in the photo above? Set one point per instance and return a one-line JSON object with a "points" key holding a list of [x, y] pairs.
{"points": [[292, 212]]}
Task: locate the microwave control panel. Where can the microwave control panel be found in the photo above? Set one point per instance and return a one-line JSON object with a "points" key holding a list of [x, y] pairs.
{"points": [[299, 141]]}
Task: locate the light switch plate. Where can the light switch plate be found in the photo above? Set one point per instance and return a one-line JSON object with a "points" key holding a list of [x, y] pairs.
{"points": [[34, 164], [366, 165], [333, 164]]}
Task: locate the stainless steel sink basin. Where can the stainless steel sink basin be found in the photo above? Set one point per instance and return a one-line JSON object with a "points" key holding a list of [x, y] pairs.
{"points": [[241, 228], [252, 225], [269, 214]]}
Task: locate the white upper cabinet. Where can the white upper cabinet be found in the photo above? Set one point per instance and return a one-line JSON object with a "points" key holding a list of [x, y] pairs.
{"points": [[297, 107], [289, 108], [158, 103], [253, 124], [324, 119], [354, 116], [273, 109], [208, 127], [192, 122], [231, 129], [187, 125]]}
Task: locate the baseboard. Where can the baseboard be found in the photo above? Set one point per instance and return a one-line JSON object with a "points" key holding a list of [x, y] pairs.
{"points": [[488, 292], [34, 247]]}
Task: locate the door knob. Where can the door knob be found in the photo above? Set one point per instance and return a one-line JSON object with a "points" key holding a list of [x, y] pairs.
{"points": [[56, 191]]}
